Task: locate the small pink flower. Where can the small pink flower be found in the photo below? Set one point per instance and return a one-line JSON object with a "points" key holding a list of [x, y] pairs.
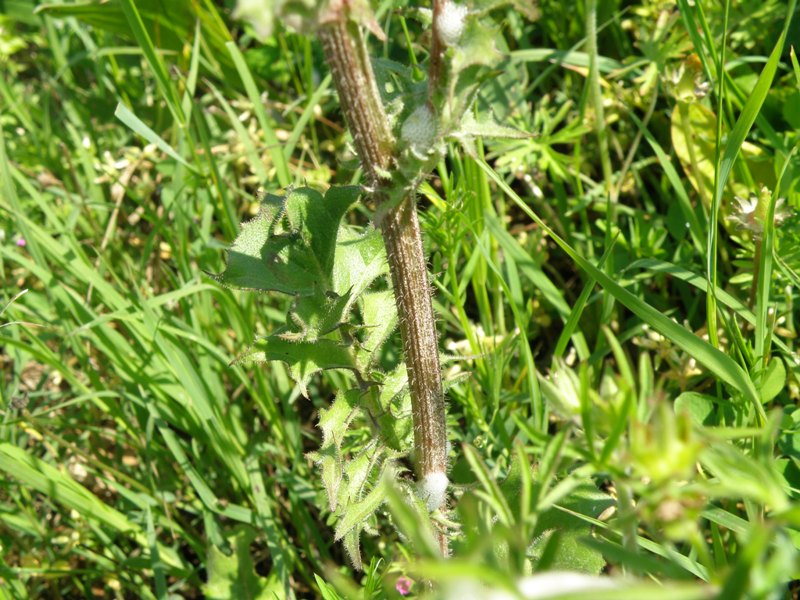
{"points": [[21, 242], [403, 585]]}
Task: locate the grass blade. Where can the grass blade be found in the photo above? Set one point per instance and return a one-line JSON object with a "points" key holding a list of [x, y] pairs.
{"points": [[713, 359]]}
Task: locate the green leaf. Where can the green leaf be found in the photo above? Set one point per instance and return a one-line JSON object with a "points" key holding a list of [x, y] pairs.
{"points": [[174, 24], [355, 505], [355, 514], [304, 359], [234, 576], [795, 67], [740, 476], [334, 422], [379, 317], [699, 407], [478, 46], [289, 246], [360, 259], [394, 412], [571, 553], [773, 381], [316, 315], [136, 125]]}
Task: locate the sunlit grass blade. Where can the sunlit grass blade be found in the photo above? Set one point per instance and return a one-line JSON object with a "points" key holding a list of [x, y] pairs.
{"points": [[250, 149], [124, 114], [277, 152], [763, 333], [732, 148], [718, 363], [61, 488], [165, 84]]}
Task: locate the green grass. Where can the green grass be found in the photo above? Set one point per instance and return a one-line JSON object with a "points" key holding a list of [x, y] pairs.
{"points": [[620, 399]]}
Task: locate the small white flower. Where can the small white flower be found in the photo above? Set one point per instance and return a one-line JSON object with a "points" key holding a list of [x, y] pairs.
{"points": [[701, 89], [752, 211], [451, 22]]}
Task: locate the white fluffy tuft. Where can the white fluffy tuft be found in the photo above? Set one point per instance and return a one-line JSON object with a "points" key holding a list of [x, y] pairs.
{"points": [[419, 130], [433, 489], [451, 23]]}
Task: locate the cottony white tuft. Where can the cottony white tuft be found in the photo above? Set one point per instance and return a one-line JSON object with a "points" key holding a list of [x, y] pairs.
{"points": [[451, 23], [419, 129], [258, 14], [433, 489]]}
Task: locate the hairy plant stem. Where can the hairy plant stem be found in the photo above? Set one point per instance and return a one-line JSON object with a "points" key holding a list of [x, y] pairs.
{"points": [[345, 51]]}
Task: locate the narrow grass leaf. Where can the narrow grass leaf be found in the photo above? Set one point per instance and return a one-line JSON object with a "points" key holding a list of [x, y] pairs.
{"points": [[716, 361], [279, 156], [124, 114]]}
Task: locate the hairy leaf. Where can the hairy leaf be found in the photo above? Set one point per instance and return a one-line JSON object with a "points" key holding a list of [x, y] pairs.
{"points": [[304, 359], [289, 246]]}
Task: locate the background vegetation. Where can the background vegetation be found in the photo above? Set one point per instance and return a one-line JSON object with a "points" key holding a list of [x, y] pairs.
{"points": [[593, 427]]}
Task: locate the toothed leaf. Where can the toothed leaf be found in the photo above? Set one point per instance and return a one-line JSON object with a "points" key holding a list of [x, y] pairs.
{"points": [[357, 513], [289, 246], [304, 359], [360, 259]]}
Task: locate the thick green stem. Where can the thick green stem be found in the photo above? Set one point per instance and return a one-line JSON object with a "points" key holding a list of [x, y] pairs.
{"points": [[359, 97]]}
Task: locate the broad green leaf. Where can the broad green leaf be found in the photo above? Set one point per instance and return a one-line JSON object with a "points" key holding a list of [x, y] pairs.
{"points": [[329, 461], [573, 58], [333, 421], [571, 554], [314, 316], [356, 505], [394, 412], [478, 46], [360, 259], [289, 246], [354, 517], [487, 127], [235, 576], [773, 381], [699, 407], [356, 514]]}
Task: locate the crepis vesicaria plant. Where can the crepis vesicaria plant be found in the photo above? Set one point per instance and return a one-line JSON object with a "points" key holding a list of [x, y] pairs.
{"points": [[343, 308]]}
